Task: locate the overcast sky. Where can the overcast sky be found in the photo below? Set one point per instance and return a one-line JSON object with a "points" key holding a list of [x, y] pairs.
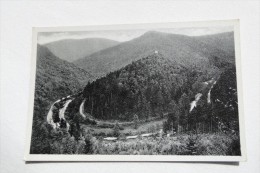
{"points": [[125, 35]]}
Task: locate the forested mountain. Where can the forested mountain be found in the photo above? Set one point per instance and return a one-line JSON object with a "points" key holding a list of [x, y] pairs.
{"points": [[148, 87], [181, 49], [55, 78], [73, 49], [224, 42]]}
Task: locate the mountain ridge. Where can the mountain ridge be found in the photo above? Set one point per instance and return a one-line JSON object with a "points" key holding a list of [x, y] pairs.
{"points": [[180, 48], [73, 49], [55, 78]]}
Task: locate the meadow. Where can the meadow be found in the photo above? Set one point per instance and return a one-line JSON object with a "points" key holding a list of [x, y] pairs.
{"points": [[181, 144], [159, 142]]}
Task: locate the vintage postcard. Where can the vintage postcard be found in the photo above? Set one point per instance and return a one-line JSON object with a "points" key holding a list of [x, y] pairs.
{"points": [[141, 92]]}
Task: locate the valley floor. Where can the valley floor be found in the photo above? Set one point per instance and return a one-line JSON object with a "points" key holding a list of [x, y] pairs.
{"points": [[156, 143], [181, 144], [146, 127]]}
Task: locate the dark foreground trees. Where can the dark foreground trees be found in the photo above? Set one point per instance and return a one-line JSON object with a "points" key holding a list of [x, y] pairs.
{"points": [[59, 141]]}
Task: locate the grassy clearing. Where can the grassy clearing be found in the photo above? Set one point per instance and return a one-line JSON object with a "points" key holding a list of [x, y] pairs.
{"points": [[151, 126], [179, 144], [147, 127], [96, 131], [203, 144], [218, 144]]}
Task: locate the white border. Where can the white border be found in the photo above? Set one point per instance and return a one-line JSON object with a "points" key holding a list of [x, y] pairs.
{"points": [[159, 158]]}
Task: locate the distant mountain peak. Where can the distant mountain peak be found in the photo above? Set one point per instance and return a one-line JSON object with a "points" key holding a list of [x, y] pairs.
{"points": [[153, 32], [180, 49], [73, 49]]}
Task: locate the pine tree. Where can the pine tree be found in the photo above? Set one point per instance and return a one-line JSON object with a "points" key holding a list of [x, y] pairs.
{"points": [[136, 121], [191, 146], [88, 144], [116, 129]]}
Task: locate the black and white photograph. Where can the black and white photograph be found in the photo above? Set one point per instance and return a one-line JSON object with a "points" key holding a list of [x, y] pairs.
{"points": [[141, 92]]}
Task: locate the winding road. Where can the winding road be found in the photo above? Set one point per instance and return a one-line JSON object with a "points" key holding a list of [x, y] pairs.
{"points": [[193, 104], [50, 115], [61, 113]]}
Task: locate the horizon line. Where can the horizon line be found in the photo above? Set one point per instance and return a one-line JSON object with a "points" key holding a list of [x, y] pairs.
{"points": [[50, 37]]}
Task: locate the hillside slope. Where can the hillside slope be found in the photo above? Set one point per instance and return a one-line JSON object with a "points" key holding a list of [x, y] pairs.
{"points": [[224, 42], [73, 49], [181, 49], [225, 99], [55, 78], [147, 87]]}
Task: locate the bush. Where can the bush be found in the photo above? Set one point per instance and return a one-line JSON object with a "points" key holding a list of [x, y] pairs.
{"points": [[80, 147], [215, 144], [88, 149], [151, 129], [116, 130]]}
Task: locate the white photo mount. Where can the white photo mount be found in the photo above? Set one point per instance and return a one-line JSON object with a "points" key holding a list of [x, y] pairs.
{"points": [[140, 158]]}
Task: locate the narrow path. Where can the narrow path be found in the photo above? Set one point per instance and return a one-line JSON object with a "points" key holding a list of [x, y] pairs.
{"points": [[50, 114], [61, 113], [193, 104], [81, 110], [63, 110]]}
